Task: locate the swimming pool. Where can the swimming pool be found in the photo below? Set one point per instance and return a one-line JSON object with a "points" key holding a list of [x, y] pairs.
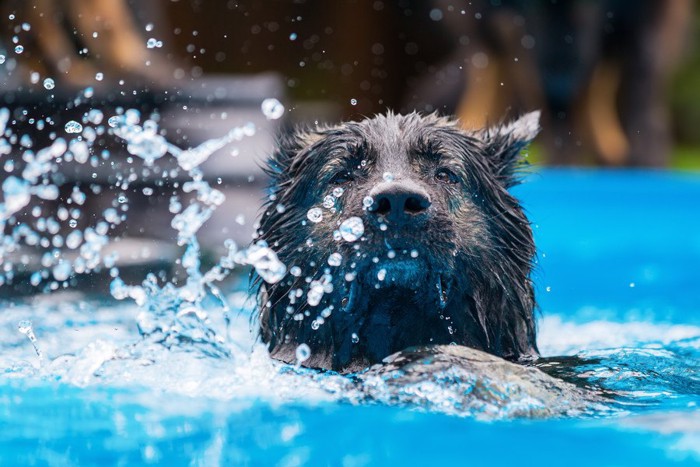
{"points": [[617, 286]]}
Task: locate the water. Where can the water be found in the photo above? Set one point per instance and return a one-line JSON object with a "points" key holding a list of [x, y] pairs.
{"points": [[171, 370]]}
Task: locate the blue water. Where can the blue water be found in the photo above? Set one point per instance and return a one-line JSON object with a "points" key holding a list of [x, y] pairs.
{"points": [[617, 285]]}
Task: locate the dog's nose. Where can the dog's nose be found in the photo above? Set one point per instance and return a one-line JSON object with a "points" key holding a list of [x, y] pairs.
{"points": [[399, 202]]}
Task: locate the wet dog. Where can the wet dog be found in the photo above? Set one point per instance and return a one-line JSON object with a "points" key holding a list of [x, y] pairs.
{"points": [[398, 231]]}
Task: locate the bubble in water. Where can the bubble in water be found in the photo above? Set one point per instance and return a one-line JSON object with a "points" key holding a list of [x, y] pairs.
{"points": [[352, 229], [315, 215], [388, 177], [272, 108], [73, 127], [19, 49], [335, 259], [303, 353], [353, 101], [49, 83]]}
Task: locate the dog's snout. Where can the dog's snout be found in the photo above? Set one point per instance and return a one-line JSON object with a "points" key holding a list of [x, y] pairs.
{"points": [[399, 202]]}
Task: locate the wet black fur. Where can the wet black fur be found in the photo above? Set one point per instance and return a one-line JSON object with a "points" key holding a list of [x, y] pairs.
{"points": [[474, 233]]}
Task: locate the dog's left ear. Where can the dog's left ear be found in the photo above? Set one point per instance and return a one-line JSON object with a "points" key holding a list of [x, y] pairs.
{"points": [[504, 143]]}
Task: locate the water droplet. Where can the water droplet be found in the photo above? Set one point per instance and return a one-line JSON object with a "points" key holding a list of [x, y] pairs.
{"points": [[353, 101], [19, 49], [49, 83], [315, 215], [338, 192], [381, 275], [272, 108], [414, 253], [388, 177], [355, 338], [303, 353], [352, 229], [99, 76], [153, 43], [335, 259], [293, 36], [2, 59], [25, 327], [367, 202], [436, 14], [329, 201], [295, 271], [265, 261], [73, 127]]}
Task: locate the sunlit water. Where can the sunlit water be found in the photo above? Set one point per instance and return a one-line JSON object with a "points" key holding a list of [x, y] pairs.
{"points": [[171, 369]]}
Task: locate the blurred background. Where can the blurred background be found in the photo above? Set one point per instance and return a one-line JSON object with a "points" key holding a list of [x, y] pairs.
{"points": [[617, 81]]}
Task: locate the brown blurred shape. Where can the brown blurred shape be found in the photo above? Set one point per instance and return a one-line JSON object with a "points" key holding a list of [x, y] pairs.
{"points": [[599, 70]]}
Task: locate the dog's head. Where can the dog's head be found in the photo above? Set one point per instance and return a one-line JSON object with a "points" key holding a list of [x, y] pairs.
{"points": [[398, 231]]}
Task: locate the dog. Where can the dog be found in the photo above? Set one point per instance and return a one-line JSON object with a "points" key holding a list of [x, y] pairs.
{"points": [[398, 231]]}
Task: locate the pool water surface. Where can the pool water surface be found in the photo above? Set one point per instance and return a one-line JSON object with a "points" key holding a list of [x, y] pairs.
{"points": [[619, 294]]}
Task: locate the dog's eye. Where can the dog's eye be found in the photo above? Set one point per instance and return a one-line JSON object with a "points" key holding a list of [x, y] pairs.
{"points": [[344, 176], [446, 176]]}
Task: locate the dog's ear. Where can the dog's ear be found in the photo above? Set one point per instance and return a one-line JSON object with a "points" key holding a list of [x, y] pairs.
{"points": [[288, 146], [504, 143]]}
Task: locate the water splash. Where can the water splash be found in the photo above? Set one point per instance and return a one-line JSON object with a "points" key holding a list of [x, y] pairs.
{"points": [[25, 327], [173, 313]]}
